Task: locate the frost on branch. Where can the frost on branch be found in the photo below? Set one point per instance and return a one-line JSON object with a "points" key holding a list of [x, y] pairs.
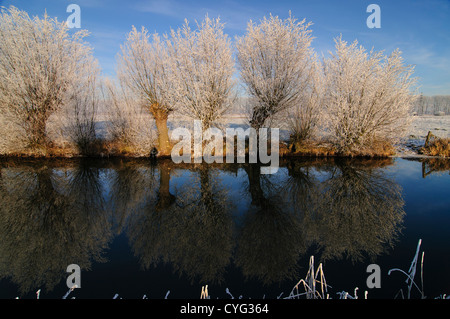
{"points": [[42, 68], [368, 96], [130, 126], [144, 71], [203, 67], [274, 61], [303, 118]]}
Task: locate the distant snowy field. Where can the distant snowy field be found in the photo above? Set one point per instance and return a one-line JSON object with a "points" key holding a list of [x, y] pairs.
{"points": [[438, 125], [420, 126]]}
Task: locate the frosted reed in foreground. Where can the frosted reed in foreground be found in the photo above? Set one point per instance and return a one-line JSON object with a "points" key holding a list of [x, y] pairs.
{"points": [[314, 285]]}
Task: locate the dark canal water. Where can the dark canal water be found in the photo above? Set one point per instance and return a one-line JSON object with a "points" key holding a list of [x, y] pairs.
{"points": [[138, 228]]}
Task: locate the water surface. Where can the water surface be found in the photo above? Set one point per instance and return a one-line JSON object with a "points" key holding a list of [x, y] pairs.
{"points": [[137, 227]]}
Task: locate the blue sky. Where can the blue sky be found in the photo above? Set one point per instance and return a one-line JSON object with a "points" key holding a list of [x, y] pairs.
{"points": [[420, 29]]}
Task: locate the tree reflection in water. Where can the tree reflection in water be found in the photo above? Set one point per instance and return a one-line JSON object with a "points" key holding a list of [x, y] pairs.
{"points": [[359, 212], [50, 217], [192, 231], [184, 215], [270, 240]]}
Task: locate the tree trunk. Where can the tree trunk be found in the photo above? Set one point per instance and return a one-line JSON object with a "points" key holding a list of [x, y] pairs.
{"points": [[428, 139], [207, 197], [165, 198], [254, 181], [38, 135], [160, 117]]}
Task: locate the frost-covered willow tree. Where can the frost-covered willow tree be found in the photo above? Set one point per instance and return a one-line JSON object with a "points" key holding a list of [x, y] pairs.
{"points": [[368, 96], [203, 69], [130, 126], [78, 116], [304, 117], [144, 66], [42, 68], [274, 62]]}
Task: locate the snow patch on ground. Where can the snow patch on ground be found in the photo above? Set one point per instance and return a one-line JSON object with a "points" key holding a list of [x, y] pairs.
{"points": [[419, 128]]}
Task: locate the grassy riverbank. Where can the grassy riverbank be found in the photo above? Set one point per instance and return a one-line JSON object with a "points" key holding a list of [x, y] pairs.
{"points": [[412, 144]]}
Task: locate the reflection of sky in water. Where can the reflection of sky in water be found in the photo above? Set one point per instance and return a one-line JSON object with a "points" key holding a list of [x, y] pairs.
{"points": [[423, 195], [428, 217], [251, 223]]}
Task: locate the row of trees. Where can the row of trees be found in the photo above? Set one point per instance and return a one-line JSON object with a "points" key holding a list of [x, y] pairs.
{"points": [[435, 105], [350, 98]]}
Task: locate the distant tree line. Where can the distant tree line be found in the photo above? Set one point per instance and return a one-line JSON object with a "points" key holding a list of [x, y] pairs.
{"points": [[435, 104]]}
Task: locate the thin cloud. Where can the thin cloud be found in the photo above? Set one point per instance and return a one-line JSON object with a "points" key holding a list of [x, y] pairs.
{"points": [[426, 57], [167, 8], [235, 15]]}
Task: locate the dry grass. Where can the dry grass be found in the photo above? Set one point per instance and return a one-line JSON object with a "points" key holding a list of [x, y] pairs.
{"points": [[118, 147], [437, 147], [121, 148], [311, 148], [96, 148], [314, 285], [378, 148]]}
